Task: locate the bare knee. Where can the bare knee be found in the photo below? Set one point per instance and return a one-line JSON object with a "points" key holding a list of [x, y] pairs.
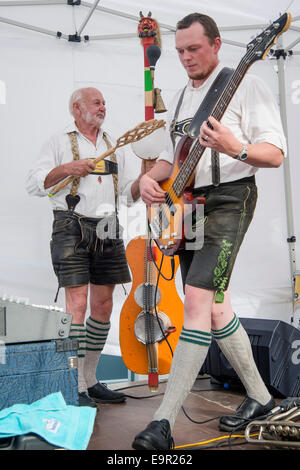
{"points": [[217, 316], [76, 302], [101, 302], [197, 308], [221, 314], [102, 310]]}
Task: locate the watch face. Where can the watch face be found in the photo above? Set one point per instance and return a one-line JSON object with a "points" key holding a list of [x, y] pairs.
{"points": [[243, 156]]}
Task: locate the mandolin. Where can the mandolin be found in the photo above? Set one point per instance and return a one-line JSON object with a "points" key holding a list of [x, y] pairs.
{"points": [[170, 220]]}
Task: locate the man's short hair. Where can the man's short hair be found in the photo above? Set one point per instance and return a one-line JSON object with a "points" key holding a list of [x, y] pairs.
{"points": [[209, 25]]}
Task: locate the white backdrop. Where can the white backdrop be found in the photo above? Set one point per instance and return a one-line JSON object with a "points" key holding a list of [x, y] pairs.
{"points": [[39, 72]]}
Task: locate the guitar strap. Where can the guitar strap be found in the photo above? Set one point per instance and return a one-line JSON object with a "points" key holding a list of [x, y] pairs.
{"points": [[191, 127]]}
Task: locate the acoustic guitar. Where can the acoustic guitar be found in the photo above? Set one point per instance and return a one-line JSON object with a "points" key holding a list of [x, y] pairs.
{"points": [[152, 316]]}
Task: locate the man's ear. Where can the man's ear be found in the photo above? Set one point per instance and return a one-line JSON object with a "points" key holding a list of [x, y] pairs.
{"points": [[76, 107], [217, 44]]}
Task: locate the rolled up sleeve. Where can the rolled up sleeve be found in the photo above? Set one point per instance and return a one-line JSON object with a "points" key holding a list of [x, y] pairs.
{"points": [[36, 176]]}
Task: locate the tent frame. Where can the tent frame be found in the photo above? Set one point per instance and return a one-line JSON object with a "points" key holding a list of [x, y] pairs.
{"points": [[279, 53]]}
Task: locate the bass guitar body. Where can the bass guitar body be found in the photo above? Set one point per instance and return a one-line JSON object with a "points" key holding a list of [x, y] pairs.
{"points": [[143, 345], [171, 223]]}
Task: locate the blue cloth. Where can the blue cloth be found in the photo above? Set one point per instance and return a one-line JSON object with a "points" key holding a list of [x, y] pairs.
{"points": [[62, 425]]}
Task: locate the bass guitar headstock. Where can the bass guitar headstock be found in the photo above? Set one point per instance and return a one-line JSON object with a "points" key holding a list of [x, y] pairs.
{"points": [[259, 47]]}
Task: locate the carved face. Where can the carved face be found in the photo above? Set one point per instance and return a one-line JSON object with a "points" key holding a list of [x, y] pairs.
{"points": [[147, 26]]}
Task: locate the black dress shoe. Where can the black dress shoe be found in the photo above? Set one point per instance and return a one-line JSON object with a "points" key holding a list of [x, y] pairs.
{"points": [[85, 400], [248, 410], [156, 436], [101, 394]]}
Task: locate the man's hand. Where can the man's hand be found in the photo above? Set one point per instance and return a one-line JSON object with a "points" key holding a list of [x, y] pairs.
{"points": [[81, 167], [151, 192], [219, 138], [75, 168]]}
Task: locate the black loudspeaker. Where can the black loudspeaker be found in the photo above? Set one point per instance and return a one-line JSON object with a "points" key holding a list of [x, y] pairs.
{"points": [[276, 350]]}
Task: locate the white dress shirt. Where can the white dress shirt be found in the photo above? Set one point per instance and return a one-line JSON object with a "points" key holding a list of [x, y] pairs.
{"points": [[252, 116], [97, 196]]}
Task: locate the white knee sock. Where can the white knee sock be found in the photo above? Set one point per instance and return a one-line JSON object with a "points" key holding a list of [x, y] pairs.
{"points": [[234, 342], [96, 336], [188, 358], [77, 331]]}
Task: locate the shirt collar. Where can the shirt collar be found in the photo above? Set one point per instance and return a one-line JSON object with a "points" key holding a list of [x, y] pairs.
{"points": [[71, 127]]}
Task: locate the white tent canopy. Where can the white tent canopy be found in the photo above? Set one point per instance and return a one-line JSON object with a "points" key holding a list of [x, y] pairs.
{"points": [[49, 48]]}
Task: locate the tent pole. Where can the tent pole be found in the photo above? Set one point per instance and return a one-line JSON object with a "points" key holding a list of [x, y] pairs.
{"points": [[287, 176], [33, 28], [88, 17], [13, 3]]}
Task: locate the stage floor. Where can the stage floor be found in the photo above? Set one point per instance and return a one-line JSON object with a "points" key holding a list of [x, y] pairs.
{"points": [[116, 425]]}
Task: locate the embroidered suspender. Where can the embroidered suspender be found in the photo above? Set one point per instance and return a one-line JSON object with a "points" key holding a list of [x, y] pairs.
{"points": [[113, 158], [73, 198]]}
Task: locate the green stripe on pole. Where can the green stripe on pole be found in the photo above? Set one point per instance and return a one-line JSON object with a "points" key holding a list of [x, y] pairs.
{"points": [[148, 80]]}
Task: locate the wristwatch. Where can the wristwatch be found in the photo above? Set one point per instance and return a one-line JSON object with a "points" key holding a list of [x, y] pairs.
{"points": [[243, 154]]}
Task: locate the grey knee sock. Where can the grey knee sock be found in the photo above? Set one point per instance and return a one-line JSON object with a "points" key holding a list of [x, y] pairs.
{"points": [[188, 358], [77, 331], [96, 336], [234, 342]]}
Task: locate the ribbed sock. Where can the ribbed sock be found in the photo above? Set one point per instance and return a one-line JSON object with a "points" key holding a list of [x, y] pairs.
{"points": [[77, 331], [96, 336], [189, 356], [234, 342]]}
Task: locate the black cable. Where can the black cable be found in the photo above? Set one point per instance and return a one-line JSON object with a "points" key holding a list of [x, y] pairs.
{"points": [[158, 269], [148, 396], [199, 422], [155, 293]]}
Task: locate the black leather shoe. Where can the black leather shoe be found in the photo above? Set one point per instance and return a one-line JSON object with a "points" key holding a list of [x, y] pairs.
{"points": [[101, 394], [156, 436], [248, 410], [85, 400]]}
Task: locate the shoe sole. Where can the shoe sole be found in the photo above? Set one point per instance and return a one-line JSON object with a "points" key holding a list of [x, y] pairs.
{"points": [[109, 402], [223, 427], [141, 444]]}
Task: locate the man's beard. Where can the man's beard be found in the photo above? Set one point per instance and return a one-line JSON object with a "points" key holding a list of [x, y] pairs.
{"points": [[93, 120], [203, 75]]}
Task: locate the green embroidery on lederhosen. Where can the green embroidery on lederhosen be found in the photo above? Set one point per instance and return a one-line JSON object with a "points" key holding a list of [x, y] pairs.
{"points": [[220, 280]]}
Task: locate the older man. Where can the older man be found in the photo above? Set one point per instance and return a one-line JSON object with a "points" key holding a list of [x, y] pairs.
{"points": [[83, 261]]}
